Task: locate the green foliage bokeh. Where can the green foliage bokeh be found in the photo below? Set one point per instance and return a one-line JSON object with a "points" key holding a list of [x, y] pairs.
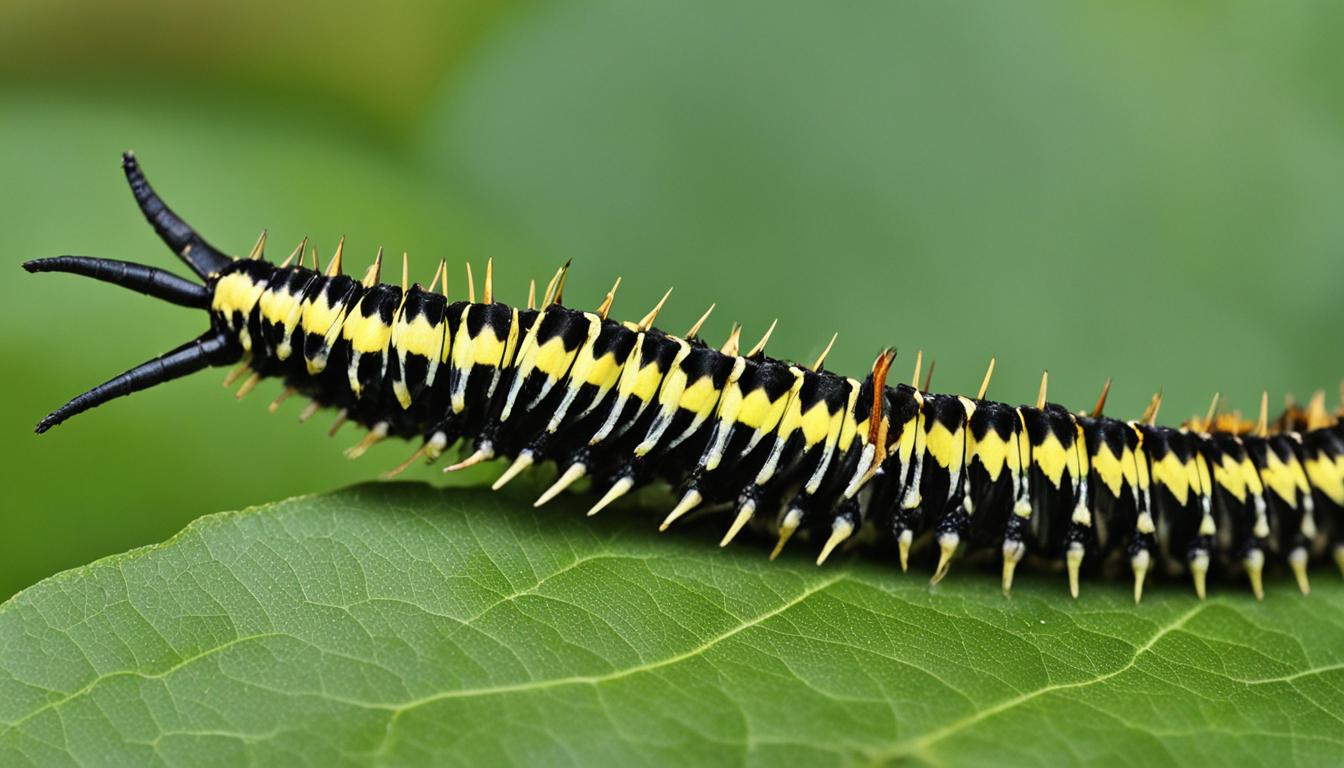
{"points": [[1144, 192]]}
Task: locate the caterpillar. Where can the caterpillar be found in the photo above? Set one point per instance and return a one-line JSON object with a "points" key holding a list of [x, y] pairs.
{"points": [[783, 447]]}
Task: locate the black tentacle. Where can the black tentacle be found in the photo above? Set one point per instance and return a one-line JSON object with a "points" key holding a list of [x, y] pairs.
{"points": [[202, 257], [151, 281], [211, 348]]}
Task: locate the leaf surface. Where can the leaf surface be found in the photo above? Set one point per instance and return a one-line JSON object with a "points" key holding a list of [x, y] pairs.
{"points": [[400, 624]]}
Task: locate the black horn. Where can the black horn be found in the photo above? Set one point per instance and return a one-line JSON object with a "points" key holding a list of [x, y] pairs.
{"points": [[204, 259], [212, 348], [151, 281]]}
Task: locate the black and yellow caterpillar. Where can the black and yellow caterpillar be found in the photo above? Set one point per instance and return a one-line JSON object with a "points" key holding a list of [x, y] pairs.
{"points": [[779, 445]]}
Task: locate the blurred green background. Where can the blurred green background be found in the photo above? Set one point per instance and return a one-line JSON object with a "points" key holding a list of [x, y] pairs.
{"points": [[1148, 191]]}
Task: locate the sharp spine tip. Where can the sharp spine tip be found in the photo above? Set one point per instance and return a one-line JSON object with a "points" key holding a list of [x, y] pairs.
{"points": [[743, 516], [1013, 551], [1074, 560], [280, 398], [519, 464], [374, 436], [440, 273], [821, 359], [479, 455], [1101, 400], [1297, 561], [341, 417], [688, 502], [947, 547], [1199, 572], [608, 300], [248, 386], [570, 476], [405, 465], [259, 250], [1006, 579], [928, 377], [236, 373], [617, 490], [760, 345], [1254, 563], [334, 266], [374, 273], [1139, 565], [560, 285], [841, 530], [695, 329], [984, 383], [787, 527], [647, 321], [489, 294], [731, 346], [296, 254], [309, 411], [549, 294]]}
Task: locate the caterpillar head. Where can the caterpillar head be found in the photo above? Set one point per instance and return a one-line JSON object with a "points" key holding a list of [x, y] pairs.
{"points": [[217, 346]]}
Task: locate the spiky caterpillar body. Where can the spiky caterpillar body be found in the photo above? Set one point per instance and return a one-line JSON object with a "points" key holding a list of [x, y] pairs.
{"points": [[781, 446]]}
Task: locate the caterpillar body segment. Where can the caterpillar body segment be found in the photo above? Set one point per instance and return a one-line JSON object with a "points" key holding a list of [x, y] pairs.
{"points": [[790, 450]]}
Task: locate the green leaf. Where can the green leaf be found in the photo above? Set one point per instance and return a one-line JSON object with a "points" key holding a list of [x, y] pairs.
{"points": [[402, 624]]}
